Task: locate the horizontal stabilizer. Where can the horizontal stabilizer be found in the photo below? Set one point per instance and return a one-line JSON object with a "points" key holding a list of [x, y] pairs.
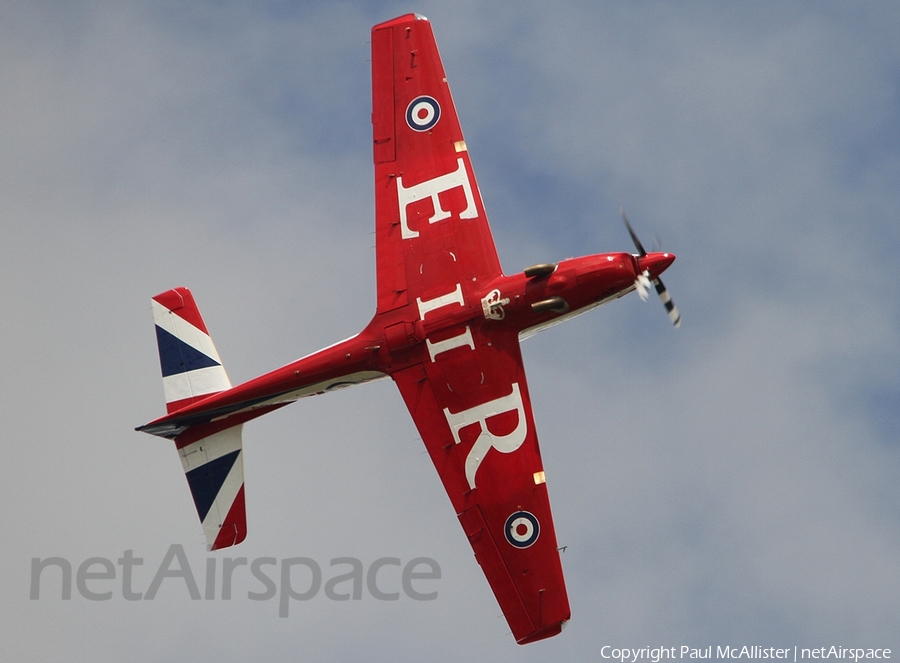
{"points": [[210, 452], [191, 368], [214, 466]]}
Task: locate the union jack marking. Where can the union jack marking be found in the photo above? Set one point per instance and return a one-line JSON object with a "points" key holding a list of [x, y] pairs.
{"points": [[190, 365]]}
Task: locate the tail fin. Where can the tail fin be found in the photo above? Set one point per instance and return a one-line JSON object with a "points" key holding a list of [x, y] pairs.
{"points": [[210, 452], [191, 368]]}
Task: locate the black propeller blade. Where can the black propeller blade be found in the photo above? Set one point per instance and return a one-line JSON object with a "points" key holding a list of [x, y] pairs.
{"points": [[634, 237], [644, 279]]}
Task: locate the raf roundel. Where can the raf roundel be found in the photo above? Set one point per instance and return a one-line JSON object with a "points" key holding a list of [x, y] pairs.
{"points": [[423, 113], [522, 529]]}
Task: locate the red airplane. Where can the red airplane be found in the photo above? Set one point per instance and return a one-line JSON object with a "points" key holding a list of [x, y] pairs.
{"points": [[446, 329]]}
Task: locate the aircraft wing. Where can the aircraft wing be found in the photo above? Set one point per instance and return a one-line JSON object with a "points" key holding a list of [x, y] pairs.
{"points": [[467, 393], [470, 403], [425, 188]]}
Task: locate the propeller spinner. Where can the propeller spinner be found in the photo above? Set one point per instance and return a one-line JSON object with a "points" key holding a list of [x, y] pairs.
{"points": [[643, 281]]}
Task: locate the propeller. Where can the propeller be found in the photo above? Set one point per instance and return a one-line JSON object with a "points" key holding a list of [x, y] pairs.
{"points": [[642, 282]]}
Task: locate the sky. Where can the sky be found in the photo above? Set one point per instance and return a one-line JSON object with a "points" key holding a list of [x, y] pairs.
{"points": [[732, 482]]}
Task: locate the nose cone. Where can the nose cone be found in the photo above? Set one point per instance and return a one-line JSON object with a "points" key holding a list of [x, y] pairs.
{"points": [[656, 263]]}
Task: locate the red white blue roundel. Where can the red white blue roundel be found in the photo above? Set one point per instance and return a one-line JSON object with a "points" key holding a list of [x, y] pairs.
{"points": [[423, 113], [522, 529]]}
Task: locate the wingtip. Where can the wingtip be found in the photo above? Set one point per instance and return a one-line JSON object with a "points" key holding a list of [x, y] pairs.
{"points": [[400, 20], [543, 633]]}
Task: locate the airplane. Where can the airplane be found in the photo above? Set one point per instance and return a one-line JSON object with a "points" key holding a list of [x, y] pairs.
{"points": [[446, 329]]}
